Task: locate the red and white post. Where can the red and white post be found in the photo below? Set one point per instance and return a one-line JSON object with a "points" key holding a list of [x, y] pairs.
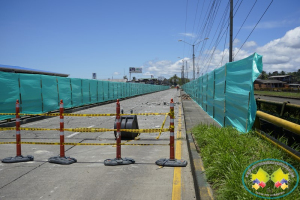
{"points": [[172, 150], [171, 162], [19, 157], [62, 159], [18, 133], [62, 134], [118, 160], [118, 130]]}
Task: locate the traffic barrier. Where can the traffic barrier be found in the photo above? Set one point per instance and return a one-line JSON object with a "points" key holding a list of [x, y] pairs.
{"points": [[118, 160], [18, 157], [62, 159], [172, 162]]}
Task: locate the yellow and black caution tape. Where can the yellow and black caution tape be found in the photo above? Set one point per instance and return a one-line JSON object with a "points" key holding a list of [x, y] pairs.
{"points": [[162, 126], [7, 113], [82, 144], [82, 115], [145, 114], [156, 130], [7, 128]]}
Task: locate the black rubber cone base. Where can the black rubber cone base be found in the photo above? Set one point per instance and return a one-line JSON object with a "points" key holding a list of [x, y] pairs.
{"points": [[18, 159], [62, 160], [171, 162], [120, 161]]}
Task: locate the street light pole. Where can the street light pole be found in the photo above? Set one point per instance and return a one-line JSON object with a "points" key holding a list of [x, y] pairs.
{"points": [[193, 53]]}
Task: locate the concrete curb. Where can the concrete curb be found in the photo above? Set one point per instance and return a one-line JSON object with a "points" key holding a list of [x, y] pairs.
{"points": [[202, 187]]}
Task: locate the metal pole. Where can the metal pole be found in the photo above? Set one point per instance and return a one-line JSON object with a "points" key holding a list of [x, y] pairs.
{"points": [[231, 30], [193, 62]]}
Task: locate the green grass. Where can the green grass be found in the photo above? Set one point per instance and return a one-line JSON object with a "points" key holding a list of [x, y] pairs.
{"points": [[280, 94], [226, 154]]}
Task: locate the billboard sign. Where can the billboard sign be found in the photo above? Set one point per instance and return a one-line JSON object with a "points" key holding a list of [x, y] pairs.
{"points": [[94, 76], [135, 70]]}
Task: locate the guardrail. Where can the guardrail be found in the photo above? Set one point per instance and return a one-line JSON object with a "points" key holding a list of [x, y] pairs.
{"points": [[292, 127]]}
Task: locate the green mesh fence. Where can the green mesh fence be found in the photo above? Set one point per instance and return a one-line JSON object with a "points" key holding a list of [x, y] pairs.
{"points": [[42, 93], [226, 93]]}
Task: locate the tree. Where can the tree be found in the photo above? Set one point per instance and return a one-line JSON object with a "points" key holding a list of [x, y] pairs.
{"points": [[125, 77], [263, 75], [282, 73], [133, 78]]}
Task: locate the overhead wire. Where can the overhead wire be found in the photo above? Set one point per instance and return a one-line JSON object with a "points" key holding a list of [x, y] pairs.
{"points": [[254, 28], [245, 20]]}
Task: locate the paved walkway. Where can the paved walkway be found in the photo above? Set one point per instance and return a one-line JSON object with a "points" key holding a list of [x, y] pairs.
{"points": [[194, 115]]}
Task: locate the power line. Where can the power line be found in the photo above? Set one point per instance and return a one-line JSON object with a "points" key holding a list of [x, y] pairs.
{"points": [[254, 27], [245, 20]]}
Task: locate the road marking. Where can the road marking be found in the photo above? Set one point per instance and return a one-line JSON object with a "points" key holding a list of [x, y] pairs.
{"points": [[176, 192], [69, 136]]}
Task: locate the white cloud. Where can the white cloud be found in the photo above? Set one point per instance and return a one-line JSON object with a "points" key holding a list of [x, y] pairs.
{"points": [[281, 54], [192, 35], [116, 73], [249, 44]]}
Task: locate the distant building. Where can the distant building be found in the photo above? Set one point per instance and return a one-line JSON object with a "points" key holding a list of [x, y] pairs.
{"points": [[284, 78], [115, 80], [269, 83], [17, 69]]}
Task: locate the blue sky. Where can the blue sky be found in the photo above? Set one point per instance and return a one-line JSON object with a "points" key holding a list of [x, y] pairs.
{"points": [[107, 37]]}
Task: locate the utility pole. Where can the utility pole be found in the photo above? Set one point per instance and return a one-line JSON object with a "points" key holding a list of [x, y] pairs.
{"points": [[193, 62], [182, 72], [187, 71], [231, 30]]}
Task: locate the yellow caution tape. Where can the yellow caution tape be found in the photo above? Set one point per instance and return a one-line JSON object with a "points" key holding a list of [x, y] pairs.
{"points": [[7, 128], [162, 126], [156, 130], [145, 114], [82, 115], [7, 113], [82, 144]]}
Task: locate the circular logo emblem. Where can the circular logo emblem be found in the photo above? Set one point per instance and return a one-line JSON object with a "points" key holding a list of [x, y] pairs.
{"points": [[270, 178]]}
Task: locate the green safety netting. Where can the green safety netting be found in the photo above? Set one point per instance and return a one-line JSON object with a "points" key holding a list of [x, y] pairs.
{"points": [[50, 98], [65, 91], [42, 93], [9, 94], [30, 93], [226, 93]]}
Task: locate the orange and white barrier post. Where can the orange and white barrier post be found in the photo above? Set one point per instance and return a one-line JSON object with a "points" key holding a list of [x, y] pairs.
{"points": [[118, 130], [172, 150], [62, 134], [18, 134], [171, 162], [19, 157], [62, 159], [118, 160]]}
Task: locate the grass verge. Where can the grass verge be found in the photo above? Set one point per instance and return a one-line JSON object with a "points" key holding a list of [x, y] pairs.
{"points": [[226, 154], [280, 94]]}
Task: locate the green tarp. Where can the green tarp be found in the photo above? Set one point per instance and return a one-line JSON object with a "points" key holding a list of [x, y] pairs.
{"points": [[227, 95]]}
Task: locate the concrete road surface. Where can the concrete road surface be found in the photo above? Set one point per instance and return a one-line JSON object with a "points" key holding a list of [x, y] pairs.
{"points": [[89, 178]]}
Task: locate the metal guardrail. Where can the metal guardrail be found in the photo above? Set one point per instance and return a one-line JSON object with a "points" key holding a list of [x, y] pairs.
{"points": [[292, 127]]}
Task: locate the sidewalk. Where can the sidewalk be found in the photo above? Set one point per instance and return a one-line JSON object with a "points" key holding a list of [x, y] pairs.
{"points": [[194, 115]]}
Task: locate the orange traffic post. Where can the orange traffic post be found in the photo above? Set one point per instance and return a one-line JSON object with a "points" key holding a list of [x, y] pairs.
{"points": [[19, 157], [172, 162], [62, 159], [118, 160]]}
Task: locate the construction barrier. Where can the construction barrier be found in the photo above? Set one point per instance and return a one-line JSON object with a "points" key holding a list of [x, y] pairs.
{"points": [[62, 159]]}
